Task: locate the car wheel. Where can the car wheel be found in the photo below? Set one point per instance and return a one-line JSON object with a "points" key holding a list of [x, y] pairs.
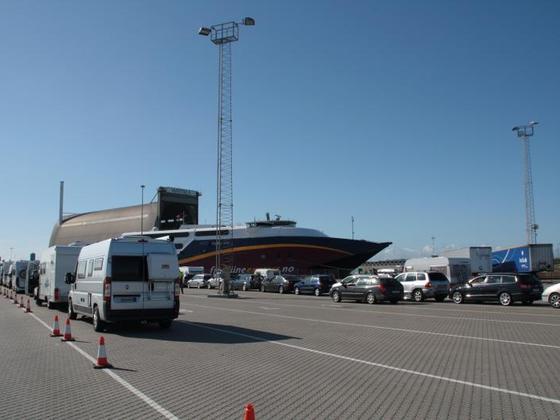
{"points": [[296, 291], [336, 296], [198, 285], [244, 288], [505, 299], [457, 297], [370, 298], [417, 295], [317, 292], [554, 300], [71, 314], [98, 325], [281, 289], [440, 298], [165, 324]]}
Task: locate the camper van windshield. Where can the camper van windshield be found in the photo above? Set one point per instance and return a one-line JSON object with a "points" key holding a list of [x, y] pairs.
{"points": [[129, 268]]}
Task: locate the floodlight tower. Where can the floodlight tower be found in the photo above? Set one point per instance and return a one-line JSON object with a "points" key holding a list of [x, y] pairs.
{"points": [[223, 35], [524, 132]]}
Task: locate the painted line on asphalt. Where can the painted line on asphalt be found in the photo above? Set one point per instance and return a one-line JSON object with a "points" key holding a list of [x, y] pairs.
{"points": [[375, 310], [165, 413], [384, 366], [381, 327]]}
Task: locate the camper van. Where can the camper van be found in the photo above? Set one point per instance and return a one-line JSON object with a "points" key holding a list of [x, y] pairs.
{"points": [[56, 261], [18, 273], [457, 270], [31, 277], [132, 278]]}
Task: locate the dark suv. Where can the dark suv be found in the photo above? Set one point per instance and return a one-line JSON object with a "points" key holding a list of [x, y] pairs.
{"points": [[505, 288], [316, 284], [371, 289]]}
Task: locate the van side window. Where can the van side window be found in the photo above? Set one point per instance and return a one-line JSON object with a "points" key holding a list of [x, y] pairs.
{"points": [[90, 268], [98, 265], [82, 269]]}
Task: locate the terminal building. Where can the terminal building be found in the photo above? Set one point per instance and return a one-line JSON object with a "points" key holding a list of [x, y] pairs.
{"points": [[171, 208]]}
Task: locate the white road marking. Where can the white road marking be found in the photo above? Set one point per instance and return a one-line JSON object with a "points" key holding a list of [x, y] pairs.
{"points": [[380, 327], [165, 413], [384, 366], [184, 311], [267, 308]]}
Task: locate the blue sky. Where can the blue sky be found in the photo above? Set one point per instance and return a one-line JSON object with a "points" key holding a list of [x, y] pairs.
{"points": [[398, 113]]}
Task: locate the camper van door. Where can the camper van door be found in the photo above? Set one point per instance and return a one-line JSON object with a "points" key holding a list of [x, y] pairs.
{"points": [[163, 270]]}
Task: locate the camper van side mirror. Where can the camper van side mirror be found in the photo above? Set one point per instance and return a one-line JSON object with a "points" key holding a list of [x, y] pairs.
{"points": [[70, 279]]}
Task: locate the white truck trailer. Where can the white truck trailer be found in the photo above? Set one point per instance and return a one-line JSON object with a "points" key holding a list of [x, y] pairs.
{"points": [[457, 270], [479, 256]]}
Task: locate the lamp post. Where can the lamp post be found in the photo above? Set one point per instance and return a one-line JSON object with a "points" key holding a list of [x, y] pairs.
{"points": [[523, 133], [142, 211], [223, 35]]}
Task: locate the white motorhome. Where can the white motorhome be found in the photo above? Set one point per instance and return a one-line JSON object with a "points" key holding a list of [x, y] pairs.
{"points": [[56, 261], [457, 270], [18, 273], [132, 278]]}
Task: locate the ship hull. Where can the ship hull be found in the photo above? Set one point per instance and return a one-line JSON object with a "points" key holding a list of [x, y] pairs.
{"points": [[291, 255]]}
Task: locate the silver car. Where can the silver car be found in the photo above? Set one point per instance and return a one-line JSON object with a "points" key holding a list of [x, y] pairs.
{"points": [[198, 281], [552, 295], [420, 285]]}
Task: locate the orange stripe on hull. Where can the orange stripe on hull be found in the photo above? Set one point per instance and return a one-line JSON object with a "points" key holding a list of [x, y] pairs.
{"points": [[255, 247]]}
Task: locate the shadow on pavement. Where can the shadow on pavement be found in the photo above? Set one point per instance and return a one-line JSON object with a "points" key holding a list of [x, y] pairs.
{"points": [[197, 332]]}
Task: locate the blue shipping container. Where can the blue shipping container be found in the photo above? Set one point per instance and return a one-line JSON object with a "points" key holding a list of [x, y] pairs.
{"points": [[512, 260]]}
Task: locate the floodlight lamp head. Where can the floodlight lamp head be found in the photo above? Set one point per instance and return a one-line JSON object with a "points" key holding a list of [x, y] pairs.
{"points": [[533, 123], [248, 21], [516, 128], [204, 31]]}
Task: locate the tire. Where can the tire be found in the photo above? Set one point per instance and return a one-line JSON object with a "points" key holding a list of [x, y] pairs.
{"points": [[458, 297], [440, 298], [198, 285], [262, 288], [71, 314], [317, 292], [50, 304], [505, 299], [98, 325], [296, 291], [165, 324], [554, 300], [244, 288], [281, 289], [336, 296], [38, 301], [417, 295], [370, 298]]}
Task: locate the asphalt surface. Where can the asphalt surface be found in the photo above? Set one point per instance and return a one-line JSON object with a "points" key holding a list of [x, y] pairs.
{"points": [[297, 357]]}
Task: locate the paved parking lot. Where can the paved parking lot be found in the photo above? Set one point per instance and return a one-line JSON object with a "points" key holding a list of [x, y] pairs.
{"points": [[293, 357]]}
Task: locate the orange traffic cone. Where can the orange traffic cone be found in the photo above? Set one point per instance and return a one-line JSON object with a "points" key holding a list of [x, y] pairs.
{"points": [[102, 361], [28, 307], [67, 332], [249, 412], [55, 329]]}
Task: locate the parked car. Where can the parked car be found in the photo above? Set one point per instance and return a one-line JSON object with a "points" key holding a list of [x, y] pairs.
{"points": [[242, 282], [420, 285], [370, 289], [275, 284], [199, 280], [315, 284], [505, 288], [552, 295], [214, 282]]}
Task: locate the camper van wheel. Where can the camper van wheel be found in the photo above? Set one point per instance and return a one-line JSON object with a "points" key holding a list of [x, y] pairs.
{"points": [[417, 295], [50, 304], [38, 300], [98, 325], [71, 314], [165, 324]]}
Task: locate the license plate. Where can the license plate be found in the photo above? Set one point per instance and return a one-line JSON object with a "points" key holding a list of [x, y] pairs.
{"points": [[127, 299]]}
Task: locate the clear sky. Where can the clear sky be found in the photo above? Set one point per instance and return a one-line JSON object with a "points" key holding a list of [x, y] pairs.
{"points": [[398, 113]]}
